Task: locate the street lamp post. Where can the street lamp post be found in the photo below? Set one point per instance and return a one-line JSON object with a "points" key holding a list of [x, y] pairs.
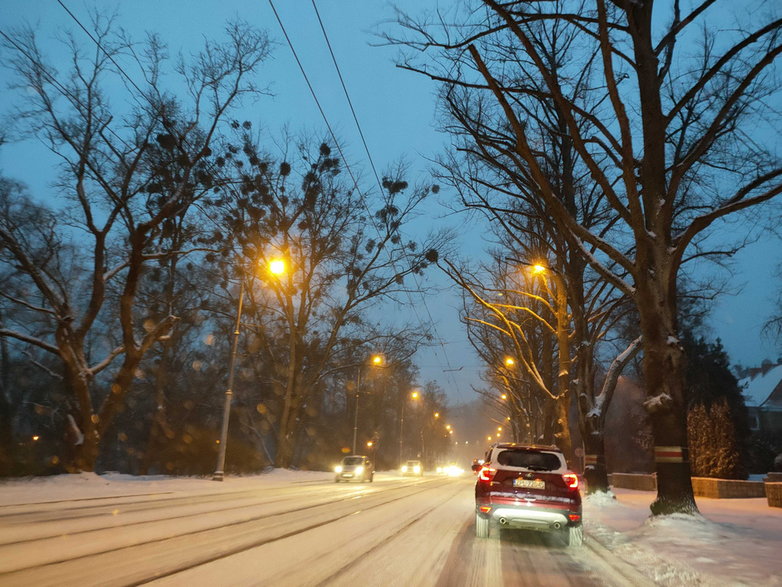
{"points": [[355, 415], [277, 267], [560, 311], [413, 395], [377, 361], [219, 470]]}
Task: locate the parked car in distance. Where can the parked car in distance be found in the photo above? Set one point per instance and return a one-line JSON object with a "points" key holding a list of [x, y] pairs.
{"points": [[528, 487], [354, 468], [413, 468]]}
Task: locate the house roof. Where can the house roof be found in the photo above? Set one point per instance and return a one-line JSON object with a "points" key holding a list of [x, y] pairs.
{"points": [[757, 389]]}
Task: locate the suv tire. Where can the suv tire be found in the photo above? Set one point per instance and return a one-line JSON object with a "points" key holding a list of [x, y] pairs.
{"points": [[481, 526]]}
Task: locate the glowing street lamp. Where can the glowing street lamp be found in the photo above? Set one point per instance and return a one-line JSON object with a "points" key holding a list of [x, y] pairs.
{"points": [[276, 267]]}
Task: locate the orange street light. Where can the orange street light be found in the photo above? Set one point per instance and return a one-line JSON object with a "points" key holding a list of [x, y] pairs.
{"points": [[509, 362], [378, 360], [504, 396], [277, 266]]}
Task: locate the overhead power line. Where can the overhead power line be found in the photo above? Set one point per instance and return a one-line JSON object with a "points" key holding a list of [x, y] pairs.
{"points": [[347, 96], [377, 178]]}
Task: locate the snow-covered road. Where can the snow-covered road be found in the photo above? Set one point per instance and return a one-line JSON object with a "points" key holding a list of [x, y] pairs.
{"points": [[395, 531]]}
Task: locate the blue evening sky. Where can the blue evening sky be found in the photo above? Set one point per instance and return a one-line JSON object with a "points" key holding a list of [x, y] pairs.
{"points": [[397, 112]]}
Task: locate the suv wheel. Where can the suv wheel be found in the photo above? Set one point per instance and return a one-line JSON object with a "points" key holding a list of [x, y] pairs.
{"points": [[481, 526], [574, 535]]}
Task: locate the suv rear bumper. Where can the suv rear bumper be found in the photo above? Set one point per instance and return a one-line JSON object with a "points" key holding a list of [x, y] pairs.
{"points": [[531, 518]]}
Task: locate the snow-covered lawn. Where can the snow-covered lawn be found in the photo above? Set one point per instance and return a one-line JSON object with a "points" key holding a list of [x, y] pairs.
{"points": [[733, 542]]}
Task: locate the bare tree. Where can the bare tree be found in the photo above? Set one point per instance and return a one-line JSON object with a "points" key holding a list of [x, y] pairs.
{"points": [[346, 253], [123, 177], [667, 148]]}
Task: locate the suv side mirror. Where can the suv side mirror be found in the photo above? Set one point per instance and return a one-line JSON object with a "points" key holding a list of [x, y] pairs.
{"points": [[476, 466]]}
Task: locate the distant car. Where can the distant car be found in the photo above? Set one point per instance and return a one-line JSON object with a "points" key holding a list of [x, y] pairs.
{"points": [[413, 468], [452, 470], [528, 487], [354, 468]]}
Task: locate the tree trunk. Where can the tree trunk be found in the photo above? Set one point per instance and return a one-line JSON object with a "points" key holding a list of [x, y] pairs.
{"points": [[286, 431], [563, 377], [663, 366], [7, 457], [595, 472], [83, 435]]}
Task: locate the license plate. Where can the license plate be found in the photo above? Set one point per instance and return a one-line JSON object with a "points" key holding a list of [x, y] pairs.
{"points": [[530, 483]]}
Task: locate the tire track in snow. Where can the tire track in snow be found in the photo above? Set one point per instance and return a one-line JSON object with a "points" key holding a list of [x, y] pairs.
{"points": [[168, 555]]}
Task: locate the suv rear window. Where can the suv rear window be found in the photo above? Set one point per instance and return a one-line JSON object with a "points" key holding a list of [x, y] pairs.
{"points": [[540, 461]]}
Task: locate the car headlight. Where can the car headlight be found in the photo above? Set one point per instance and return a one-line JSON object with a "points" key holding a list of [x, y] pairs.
{"points": [[416, 469], [359, 470], [404, 468], [338, 469]]}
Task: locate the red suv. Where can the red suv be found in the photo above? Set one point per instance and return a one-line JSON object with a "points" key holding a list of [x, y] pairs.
{"points": [[528, 487]]}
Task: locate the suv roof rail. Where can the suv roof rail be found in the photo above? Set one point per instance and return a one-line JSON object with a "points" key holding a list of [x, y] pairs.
{"points": [[524, 445]]}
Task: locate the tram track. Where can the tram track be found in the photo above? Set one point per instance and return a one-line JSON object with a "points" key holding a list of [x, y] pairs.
{"points": [[189, 547]]}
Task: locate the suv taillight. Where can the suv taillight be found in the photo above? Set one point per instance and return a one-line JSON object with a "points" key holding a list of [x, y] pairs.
{"points": [[486, 474], [571, 480]]}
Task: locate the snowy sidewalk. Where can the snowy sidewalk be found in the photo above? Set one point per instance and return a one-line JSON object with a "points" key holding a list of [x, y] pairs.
{"points": [[735, 542]]}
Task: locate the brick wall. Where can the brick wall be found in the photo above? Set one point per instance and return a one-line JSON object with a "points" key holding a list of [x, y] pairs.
{"points": [[774, 494], [639, 481], [701, 486], [726, 488]]}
